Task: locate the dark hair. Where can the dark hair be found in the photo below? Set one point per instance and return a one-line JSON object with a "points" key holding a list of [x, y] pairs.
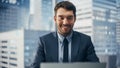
{"points": [[66, 5]]}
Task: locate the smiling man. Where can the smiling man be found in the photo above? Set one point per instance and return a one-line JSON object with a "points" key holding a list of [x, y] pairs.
{"points": [[65, 45], [64, 20]]}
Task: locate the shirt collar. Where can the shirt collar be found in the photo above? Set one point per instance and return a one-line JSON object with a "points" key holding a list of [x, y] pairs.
{"points": [[61, 38]]}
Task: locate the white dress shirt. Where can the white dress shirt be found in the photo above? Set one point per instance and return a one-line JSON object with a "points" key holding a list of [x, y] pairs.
{"points": [[61, 47]]}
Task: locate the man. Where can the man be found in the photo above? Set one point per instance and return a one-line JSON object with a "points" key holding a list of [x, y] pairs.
{"points": [[65, 45]]}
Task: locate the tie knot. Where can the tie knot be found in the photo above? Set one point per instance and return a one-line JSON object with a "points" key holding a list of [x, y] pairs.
{"points": [[65, 41]]}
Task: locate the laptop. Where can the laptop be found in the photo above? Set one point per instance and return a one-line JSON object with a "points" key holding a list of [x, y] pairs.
{"points": [[73, 65]]}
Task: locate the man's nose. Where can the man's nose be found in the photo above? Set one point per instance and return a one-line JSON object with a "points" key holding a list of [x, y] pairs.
{"points": [[65, 21]]}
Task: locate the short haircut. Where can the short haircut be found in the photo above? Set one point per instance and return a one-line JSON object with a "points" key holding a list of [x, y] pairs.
{"points": [[66, 5]]}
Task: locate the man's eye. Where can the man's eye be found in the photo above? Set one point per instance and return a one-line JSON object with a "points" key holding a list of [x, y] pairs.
{"points": [[69, 18], [60, 18]]}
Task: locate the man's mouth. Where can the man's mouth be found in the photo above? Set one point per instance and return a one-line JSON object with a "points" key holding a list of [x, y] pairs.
{"points": [[66, 26]]}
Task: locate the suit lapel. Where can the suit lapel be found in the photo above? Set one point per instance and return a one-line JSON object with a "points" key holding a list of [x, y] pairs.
{"points": [[55, 47], [74, 46]]}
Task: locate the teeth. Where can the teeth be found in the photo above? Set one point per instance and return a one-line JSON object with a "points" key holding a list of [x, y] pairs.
{"points": [[65, 26]]}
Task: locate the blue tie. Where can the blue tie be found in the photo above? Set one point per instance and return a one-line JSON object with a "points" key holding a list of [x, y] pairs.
{"points": [[65, 53]]}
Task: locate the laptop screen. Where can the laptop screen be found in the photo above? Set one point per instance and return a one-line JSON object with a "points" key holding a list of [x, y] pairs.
{"points": [[73, 65]]}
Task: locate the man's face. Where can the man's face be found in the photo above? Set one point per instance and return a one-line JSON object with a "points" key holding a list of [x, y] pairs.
{"points": [[64, 20]]}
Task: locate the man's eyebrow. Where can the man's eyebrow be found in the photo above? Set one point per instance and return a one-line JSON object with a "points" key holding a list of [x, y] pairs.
{"points": [[70, 15], [66, 16]]}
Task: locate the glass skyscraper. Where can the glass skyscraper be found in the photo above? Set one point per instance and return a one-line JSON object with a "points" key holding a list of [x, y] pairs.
{"points": [[31, 38], [118, 32], [13, 14], [118, 23], [47, 13], [42, 15]]}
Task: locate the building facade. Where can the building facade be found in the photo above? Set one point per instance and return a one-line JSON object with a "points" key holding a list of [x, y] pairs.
{"points": [[31, 38], [11, 49], [118, 23], [118, 32], [18, 48], [13, 14], [42, 15]]}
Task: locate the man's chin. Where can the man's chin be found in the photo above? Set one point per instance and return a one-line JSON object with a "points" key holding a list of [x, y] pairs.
{"points": [[66, 32]]}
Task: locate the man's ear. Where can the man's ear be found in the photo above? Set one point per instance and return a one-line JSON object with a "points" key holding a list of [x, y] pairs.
{"points": [[75, 19], [55, 19]]}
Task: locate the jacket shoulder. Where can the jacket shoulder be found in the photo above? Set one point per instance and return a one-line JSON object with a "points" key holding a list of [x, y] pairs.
{"points": [[81, 34], [49, 35]]}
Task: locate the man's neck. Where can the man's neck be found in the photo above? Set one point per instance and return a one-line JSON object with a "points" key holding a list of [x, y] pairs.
{"points": [[67, 34]]}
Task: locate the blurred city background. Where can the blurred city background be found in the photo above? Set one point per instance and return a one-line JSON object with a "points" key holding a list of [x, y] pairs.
{"points": [[22, 22]]}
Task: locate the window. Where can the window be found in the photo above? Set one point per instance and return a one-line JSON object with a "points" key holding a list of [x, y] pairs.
{"points": [[27, 47], [3, 67], [4, 41], [13, 64], [5, 57], [13, 52], [3, 62], [11, 58], [4, 46], [3, 51]]}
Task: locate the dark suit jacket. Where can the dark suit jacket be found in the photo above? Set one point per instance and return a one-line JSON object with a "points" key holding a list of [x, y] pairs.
{"points": [[82, 49]]}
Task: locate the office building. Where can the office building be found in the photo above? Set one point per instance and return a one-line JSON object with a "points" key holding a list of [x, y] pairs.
{"points": [[110, 59], [13, 14], [18, 48], [118, 32], [42, 15], [31, 44], [11, 50], [118, 23]]}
